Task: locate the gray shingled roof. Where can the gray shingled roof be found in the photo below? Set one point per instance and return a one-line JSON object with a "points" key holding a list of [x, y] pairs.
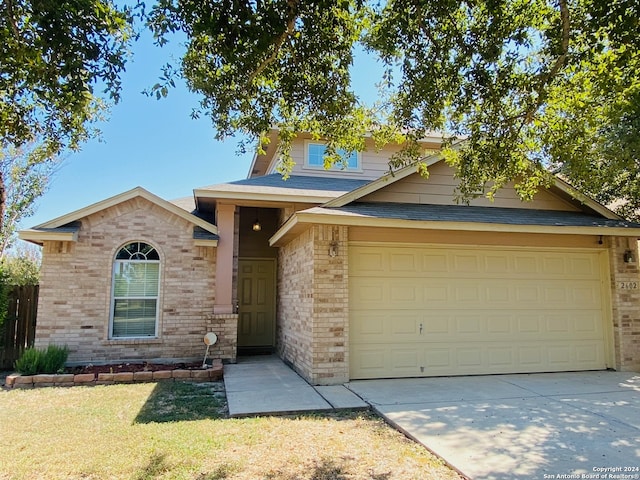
{"points": [[301, 182], [463, 213], [200, 233], [72, 227]]}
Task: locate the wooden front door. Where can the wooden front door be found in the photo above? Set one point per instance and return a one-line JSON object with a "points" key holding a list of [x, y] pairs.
{"points": [[256, 303]]}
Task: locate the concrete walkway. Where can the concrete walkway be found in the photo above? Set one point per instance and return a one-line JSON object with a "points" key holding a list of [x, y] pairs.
{"points": [[553, 425], [264, 385], [538, 426]]}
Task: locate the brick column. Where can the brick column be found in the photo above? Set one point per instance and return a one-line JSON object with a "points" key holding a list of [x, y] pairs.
{"points": [[331, 305], [225, 219], [625, 299], [225, 326]]}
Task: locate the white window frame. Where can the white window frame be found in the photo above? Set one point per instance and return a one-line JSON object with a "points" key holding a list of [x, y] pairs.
{"points": [[337, 167], [116, 263]]}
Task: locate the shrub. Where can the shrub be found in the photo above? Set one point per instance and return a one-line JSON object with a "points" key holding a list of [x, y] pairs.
{"points": [[29, 362], [54, 359], [34, 361]]}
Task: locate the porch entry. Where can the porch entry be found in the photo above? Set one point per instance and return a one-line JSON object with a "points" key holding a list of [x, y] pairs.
{"points": [[256, 305]]}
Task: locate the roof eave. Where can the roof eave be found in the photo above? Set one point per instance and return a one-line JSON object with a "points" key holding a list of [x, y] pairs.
{"points": [[585, 200], [38, 237], [261, 196], [205, 243], [302, 220], [123, 197]]}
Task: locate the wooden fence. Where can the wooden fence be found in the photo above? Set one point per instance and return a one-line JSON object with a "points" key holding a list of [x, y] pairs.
{"points": [[19, 328]]}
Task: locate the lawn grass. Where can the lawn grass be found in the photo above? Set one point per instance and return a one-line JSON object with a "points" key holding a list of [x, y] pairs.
{"points": [[180, 431]]}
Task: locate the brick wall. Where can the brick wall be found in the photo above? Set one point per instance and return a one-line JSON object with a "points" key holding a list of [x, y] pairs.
{"points": [[625, 300], [294, 311], [225, 326], [75, 292], [331, 306], [312, 328]]}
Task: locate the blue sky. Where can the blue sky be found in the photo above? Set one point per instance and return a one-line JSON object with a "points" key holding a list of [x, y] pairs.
{"points": [[147, 142], [154, 143]]}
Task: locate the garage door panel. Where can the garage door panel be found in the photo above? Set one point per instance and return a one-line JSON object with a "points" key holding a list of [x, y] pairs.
{"points": [[435, 262], [468, 293], [404, 262], [466, 263], [437, 358], [584, 265], [589, 353], [466, 324], [439, 311], [369, 263], [404, 293], [500, 356], [372, 291], [404, 327], [417, 326], [386, 361], [495, 263], [394, 360], [509, 265]]}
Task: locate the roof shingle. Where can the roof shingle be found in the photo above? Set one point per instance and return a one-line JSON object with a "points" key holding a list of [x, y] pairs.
{"points": [[463, 213]]}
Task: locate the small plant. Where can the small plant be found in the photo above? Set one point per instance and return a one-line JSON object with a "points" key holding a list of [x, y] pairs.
{"points": [[49, 360], [54, 359], [29, 361]]}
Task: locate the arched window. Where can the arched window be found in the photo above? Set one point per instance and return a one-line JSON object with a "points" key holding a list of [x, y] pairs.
{"points": [[134, 302]]}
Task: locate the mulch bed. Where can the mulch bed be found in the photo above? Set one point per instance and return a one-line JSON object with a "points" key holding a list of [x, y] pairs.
{"points": [[133, 367]]}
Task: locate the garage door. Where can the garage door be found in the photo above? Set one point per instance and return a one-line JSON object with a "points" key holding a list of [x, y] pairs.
{"points": [[417, 311]]}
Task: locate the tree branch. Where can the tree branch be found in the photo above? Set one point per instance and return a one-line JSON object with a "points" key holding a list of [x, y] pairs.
{"points": [[291, 23], [10, 18], [557, 65]]}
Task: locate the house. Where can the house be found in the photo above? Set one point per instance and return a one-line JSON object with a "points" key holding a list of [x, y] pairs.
{"points": [[349, 273]]}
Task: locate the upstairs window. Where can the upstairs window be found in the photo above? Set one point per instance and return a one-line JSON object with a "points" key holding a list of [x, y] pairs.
{"points": [[136, 281], [315, 158]]}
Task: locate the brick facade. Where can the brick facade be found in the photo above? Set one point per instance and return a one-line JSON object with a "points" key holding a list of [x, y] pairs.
{"points": [[76, 278], [625, 303], [312, 329], [313, 302], [225, 326], [294, 310]]}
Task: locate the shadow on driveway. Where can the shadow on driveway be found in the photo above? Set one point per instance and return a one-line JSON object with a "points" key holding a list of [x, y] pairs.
{"points": [[519, 426]]}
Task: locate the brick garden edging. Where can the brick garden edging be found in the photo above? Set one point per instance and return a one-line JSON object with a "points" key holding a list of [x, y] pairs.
{"points": [[15, 380]]}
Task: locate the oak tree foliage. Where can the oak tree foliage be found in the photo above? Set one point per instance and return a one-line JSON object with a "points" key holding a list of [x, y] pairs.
{"points": [[26, 173], [530, 85], [60, 66]]}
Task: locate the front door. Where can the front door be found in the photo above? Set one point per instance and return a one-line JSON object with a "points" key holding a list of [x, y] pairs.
{"points": [[256, 303]]}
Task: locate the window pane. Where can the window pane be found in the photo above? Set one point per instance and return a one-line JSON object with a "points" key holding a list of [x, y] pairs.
{"points": [[134, 318], [315, 158], [316, 155], [351, 160], [136, 279], [137, 251]]}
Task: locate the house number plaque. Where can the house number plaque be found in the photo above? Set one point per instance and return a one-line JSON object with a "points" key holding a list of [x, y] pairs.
{"points": [[628, 285]]}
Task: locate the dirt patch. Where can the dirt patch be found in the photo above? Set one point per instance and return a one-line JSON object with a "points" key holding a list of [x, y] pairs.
{"points": [[133, 367]]}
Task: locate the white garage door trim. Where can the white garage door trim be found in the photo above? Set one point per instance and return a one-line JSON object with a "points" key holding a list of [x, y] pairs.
{"points": [[431, 310]]}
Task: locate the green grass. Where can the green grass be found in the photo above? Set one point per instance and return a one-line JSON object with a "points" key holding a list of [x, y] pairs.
{"points": [[179, 431]]}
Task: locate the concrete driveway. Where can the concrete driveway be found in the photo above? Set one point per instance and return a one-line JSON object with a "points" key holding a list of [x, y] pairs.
{"points": [[538, 426]]}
